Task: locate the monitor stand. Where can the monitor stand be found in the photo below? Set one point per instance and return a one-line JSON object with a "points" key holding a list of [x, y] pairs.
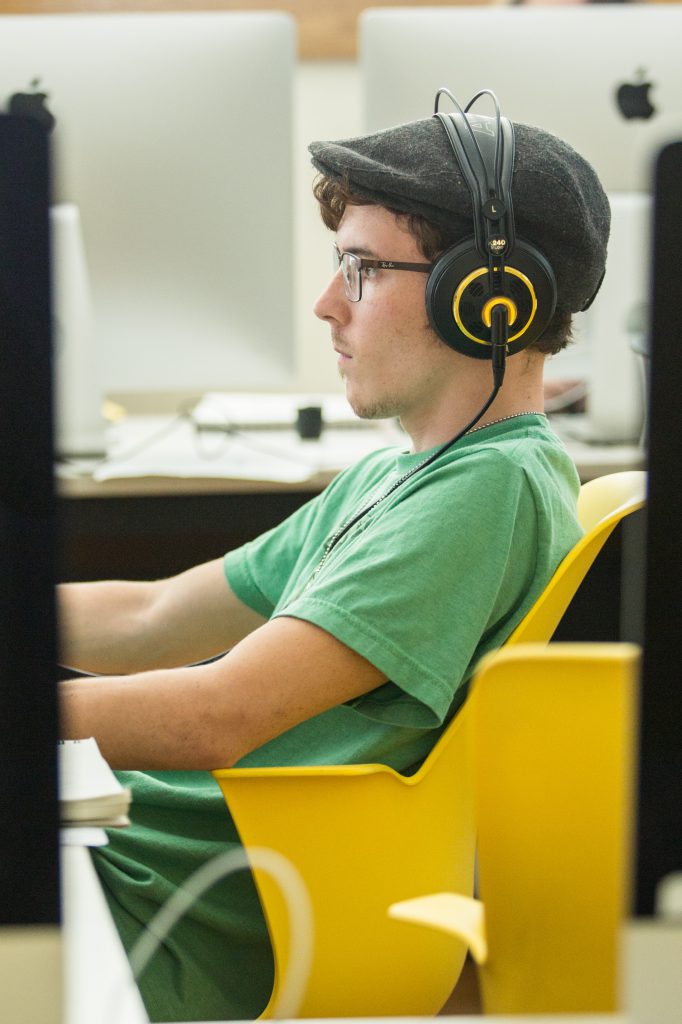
{"points": [[79, 424]]}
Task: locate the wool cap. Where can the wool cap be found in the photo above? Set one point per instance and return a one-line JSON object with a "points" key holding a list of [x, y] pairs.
{"points": [[559, 204]]}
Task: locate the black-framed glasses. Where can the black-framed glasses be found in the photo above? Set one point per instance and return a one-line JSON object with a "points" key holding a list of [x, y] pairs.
{"points": [[352, 267]]}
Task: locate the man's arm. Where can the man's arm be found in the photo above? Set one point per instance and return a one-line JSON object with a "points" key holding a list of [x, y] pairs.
{"points": [[209, 716], [120, 627]]}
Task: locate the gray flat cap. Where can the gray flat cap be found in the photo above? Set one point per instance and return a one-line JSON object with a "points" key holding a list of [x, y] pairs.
{"points": [[559, 203]]}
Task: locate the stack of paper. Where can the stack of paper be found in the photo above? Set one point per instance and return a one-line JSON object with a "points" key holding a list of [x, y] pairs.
{"points": [[89, 792], [218, 410]]}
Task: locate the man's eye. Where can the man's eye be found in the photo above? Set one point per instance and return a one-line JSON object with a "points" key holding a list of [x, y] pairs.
{"points": [[370, 272]]}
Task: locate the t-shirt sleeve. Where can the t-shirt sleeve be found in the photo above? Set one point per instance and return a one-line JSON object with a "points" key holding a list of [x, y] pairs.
{"points": [[259, 571], [262, 570]]}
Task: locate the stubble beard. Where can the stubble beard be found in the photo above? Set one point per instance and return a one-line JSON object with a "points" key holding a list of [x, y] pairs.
{"points": [[380, 409]]}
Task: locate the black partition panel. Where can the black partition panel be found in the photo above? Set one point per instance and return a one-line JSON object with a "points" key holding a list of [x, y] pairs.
{"points": [[29, 879], [659, 826]]}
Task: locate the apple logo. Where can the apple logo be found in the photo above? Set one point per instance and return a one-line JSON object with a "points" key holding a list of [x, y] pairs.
{"points": [[633, 98], [32, 104]]}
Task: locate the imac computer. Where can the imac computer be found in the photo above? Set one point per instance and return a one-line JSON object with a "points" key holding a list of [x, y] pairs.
{"points": [[171, 140], [606, 78], [30, 946]]}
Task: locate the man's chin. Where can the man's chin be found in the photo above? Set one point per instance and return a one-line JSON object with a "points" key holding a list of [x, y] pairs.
{"points": [[366, 410], [369, 412], [356, 404]]}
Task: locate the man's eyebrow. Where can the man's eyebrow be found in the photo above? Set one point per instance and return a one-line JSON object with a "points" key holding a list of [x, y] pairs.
{"points": [[358, 251]]}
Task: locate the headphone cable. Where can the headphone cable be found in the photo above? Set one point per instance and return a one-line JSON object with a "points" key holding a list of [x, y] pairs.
{"points": [[343, 530]]}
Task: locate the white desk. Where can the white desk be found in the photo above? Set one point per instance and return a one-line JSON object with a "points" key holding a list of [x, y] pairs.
{"points": [[98, 983], [170, 458]]}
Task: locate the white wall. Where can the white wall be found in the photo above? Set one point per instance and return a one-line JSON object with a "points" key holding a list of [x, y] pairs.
{"points": [[327, 105]]}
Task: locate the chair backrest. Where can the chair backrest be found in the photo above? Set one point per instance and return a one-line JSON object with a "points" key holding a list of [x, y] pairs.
{"points": [[554, 808], [554, 754], [364, 837], [610, 495], [602, 504]]}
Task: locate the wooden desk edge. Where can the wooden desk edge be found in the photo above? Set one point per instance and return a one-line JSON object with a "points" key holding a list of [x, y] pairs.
{"points": [[157, 486]]}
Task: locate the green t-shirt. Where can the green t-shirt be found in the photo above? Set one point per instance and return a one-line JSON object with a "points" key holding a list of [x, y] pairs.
{"points": [[435, 575]]}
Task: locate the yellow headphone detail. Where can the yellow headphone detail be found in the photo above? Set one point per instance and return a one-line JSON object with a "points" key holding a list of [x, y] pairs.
{"points": [[493, 269]]}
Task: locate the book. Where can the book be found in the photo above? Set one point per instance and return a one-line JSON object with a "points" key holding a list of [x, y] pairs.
{"points": [[89, 792]]}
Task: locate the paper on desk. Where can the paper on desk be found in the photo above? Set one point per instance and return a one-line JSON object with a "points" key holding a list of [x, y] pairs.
{"points": [[89, 792], [79, 835], [141, 446], [138, 447], [256, 409]]}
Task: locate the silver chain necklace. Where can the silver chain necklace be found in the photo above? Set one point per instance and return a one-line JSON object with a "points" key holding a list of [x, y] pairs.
{"points": [[372, 503], [503, 419]]}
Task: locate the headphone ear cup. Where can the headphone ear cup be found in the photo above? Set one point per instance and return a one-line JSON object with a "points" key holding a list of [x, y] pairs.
{"points": [[458, 298]]}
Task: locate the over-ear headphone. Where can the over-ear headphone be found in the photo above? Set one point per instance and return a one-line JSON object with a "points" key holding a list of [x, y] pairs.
{"points": [[492, 294]]}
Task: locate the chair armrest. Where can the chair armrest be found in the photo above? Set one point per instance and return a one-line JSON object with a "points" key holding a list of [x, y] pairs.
{"points": [[449, 912]]}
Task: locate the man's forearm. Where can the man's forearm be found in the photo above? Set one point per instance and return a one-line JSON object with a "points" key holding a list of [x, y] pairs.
{"points": [[100, 626], [122, 627], [163, 719], [210, 716]]}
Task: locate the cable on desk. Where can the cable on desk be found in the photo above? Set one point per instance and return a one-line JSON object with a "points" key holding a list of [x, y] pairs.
{"points": [[231, 430], [184, 414], [181, 414]]}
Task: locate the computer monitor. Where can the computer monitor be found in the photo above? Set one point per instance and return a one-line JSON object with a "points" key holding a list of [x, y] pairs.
{"points": [[30, 961], [172, 141], [605, 77], [659, 822]]}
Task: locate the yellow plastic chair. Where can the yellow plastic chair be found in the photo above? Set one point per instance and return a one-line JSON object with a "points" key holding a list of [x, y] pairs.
{"points": [[363, 837], [554, 743], [359, 836]]}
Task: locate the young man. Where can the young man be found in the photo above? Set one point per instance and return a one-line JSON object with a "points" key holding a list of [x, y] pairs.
{"points": [[353, 627]]}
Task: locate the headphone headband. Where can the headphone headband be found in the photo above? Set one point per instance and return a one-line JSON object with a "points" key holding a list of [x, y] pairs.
{"points": [[493, 269], [484, 151]]}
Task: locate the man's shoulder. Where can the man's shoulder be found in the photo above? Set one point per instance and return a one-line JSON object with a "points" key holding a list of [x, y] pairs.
{"points": [[528, 447], [499, 469]]}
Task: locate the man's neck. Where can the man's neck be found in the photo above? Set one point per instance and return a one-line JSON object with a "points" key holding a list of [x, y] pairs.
{"points": [[521, 392]]}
